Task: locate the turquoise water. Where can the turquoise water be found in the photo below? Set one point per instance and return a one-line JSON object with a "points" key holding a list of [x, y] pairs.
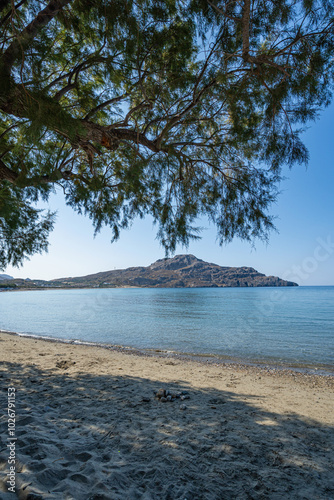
{"points": [[285, 326]]}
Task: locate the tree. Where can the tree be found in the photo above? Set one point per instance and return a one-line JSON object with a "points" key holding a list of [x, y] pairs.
{"points": [[173, 108]]}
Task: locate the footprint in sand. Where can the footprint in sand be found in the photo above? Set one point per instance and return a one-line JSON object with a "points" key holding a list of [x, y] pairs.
{"points": [[84, 456], [52, 477], [80, 478]]}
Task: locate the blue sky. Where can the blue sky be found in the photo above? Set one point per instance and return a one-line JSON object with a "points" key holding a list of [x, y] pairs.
{"points": [[301, 251]]}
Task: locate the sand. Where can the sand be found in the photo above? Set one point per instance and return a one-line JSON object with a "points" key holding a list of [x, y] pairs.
{"points": [[88, 426]]}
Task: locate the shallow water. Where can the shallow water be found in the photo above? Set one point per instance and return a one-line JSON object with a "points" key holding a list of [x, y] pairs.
{"points": [[291, 326]]}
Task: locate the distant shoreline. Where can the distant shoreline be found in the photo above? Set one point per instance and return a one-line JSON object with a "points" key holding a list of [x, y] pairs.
{"points": [[24, 289], [152, 288], [47, 288]]}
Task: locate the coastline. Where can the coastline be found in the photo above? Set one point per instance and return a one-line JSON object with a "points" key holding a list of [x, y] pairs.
{"points": [[266, 365], [88, 424]]}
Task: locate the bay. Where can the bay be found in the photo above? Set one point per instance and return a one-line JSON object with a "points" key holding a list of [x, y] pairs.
{"points": [[291, 327]]}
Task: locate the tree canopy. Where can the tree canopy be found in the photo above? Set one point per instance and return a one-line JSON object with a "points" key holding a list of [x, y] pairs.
{"points": [[174, 108]]}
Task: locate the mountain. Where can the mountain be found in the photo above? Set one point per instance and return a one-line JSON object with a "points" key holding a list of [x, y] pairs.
{"points": [[6, 277], [181, 271]]}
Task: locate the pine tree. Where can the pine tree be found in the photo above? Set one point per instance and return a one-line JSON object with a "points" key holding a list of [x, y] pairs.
{"points": [[173, 108]]}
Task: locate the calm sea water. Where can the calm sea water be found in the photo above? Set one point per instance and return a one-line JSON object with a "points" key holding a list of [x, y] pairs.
{"points": [[288, 326]]}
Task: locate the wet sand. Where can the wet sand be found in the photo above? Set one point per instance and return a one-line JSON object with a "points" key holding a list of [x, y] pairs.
{"points": [[89, 426]]}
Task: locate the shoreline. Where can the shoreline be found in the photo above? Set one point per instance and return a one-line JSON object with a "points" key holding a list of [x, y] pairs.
{"points": [[89, 426], [207, 358]]}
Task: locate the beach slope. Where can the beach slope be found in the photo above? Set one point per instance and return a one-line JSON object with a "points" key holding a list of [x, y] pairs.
{"points": [[89, 426]]}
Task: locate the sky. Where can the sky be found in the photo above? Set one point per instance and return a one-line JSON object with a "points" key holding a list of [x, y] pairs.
{"points": [[302, 249]]}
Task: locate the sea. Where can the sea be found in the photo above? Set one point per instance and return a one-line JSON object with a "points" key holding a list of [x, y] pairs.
{"points": [[284, 327]]}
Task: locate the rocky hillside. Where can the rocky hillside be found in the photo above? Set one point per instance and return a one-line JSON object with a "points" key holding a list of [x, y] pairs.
{"points": [[180, 271]]}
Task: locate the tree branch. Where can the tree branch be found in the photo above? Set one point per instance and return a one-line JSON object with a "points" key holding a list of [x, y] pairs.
{"points": [[245, 30], [75, 73], [10, 128], [64, 90], [7, 16], [125, 122], [110, 138], [22, 41], [6, 174], [224, 13], [176, 118], [104, 104]]}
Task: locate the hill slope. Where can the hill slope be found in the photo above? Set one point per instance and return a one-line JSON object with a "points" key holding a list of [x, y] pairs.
{"points": [[180, 271], [5, 277]]}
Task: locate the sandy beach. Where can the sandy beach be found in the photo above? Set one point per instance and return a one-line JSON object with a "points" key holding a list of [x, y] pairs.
{"points": [[89, 426]]}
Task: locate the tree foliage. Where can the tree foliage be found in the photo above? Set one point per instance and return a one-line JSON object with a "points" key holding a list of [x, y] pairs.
{"points": [[173, 108]]}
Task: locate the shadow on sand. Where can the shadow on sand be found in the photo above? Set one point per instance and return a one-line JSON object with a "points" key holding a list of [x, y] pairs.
{"points": [[82, 436]]}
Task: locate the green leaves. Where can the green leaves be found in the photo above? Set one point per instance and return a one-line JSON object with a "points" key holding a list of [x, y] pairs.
{"points": [[169, 108], [24, 230]]}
